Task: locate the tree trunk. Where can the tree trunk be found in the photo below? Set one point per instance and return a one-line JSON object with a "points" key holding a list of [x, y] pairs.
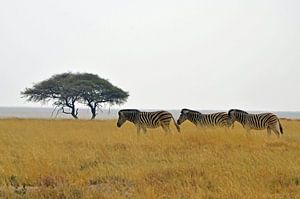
{"points": [[93, 108], [93, 114], [74, 113], [93, 111]]}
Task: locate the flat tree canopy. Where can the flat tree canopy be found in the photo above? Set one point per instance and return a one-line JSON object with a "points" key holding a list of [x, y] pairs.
{"points": [[68, 89]]}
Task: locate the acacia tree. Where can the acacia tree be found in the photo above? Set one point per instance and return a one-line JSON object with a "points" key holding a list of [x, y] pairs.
{"points": [[68, 89], [96, 91], [61, 89]]}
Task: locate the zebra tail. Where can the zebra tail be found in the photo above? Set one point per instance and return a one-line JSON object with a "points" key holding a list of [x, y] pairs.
{"points": [[281, 130], [177, 126]]}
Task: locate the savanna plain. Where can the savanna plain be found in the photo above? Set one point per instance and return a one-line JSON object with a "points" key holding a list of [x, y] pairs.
{"points": [[95, 159]]}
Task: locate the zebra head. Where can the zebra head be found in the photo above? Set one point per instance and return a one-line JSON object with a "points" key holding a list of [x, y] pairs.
{"points": [[183, 115], [127, 114], [236, 115]]}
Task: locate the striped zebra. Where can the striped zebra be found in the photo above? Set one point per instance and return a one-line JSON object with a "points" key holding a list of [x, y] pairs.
{"points": [[144, 120], [260, 121], [219, 119]]}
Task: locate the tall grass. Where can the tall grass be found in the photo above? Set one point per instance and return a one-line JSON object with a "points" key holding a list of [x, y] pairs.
{"points": [[95, 159]]}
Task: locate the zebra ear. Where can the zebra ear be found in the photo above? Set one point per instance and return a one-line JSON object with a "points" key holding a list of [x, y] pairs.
{"points": [[184, 111], [120, 113]]}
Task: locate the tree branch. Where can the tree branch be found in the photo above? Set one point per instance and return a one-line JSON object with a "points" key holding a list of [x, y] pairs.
{"points": [[63, 110]]}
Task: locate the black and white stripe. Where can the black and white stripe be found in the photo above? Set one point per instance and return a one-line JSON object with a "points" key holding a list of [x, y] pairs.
{"points": [[219, 119], [144, 120], [260, 121]]}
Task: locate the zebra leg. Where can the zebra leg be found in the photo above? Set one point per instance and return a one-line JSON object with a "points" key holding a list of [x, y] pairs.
{"points": [[231, 125], [226, 129], [138, 128], [144, 129], [277, 132], [247, 130], [269, 131], [166, 128]]}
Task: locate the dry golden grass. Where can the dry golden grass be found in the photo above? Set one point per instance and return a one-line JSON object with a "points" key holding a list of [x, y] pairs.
{"points": [[94, 159]]}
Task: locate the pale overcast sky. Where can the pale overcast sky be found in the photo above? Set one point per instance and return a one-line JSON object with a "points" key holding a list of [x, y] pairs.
{"points": [[168, 54]]}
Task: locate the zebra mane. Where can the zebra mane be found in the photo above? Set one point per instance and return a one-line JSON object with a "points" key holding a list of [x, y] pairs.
{"points": [[237, 110], [129, 110], [189, 110]]}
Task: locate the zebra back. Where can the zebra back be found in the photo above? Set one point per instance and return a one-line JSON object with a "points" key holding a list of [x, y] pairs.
{"points": [[214, 119], [261, 121], [206, 120], [157, 118]]}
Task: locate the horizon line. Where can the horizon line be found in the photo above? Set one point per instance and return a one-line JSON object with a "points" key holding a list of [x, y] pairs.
{"points": [[49, 107]]}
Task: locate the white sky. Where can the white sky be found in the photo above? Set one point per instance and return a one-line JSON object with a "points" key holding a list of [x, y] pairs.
{"points": [[168, 54]]}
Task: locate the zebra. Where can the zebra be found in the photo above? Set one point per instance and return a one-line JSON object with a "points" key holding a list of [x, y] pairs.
{"points": [[260, 121], [219, 119], [144, 120]]}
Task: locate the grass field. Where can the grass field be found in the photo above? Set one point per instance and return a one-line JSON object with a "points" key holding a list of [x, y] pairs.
{"points": [[94, 159]]}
